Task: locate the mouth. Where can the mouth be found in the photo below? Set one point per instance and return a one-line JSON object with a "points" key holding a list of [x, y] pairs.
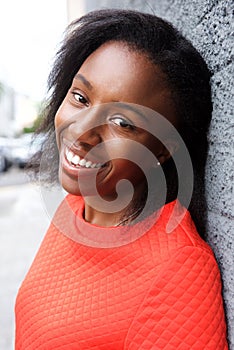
{"points": [[76, 161]]}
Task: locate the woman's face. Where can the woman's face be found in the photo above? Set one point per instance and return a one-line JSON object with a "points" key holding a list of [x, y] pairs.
{"points": [[97, 130]]}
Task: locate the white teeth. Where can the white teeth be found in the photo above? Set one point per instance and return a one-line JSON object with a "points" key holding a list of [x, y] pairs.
{"points": [[69, 156], [88, 164], [74, 159], [82, 162]]}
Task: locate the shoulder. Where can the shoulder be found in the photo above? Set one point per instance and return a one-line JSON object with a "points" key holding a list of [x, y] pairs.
{"points": [[183, 307], [181, 236], [175, 229]]}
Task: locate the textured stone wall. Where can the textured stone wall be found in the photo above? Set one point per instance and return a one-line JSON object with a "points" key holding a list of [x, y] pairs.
{"points": [[209, 25]]}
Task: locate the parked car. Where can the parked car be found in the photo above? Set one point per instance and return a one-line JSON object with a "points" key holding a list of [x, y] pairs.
{"points": [[5, 158], [24, 148], [3, 161]]}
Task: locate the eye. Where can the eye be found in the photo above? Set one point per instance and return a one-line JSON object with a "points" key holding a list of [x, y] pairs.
{"points": [[123, 123], [78, 97]]}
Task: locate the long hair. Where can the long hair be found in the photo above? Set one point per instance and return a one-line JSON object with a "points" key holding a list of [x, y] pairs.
{"points": [[185, 70]]}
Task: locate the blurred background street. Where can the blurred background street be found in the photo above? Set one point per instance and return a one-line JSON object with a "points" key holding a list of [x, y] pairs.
{"points": [[27, 54], [23, 223]]}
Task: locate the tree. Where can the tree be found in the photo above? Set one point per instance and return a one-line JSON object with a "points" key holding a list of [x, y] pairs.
{"points": [[37, 122]]}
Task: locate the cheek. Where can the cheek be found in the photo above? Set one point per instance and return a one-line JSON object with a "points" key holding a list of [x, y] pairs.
{"points": [[135, 161], [63, 111], [127, 169], [154, 146], [58, 119]]}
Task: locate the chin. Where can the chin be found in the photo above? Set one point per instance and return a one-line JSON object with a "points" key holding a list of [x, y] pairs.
{"points": [[72, 187], [69, 185]]}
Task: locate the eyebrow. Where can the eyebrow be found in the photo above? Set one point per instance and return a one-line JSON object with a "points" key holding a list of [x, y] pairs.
{"points": [[84, 80]]}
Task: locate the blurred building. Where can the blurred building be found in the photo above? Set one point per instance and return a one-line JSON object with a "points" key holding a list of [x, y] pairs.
{"points": [[7, 109], [16, 111]]}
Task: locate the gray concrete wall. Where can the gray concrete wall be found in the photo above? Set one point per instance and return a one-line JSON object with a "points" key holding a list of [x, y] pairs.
{"points": [[209, 25]]}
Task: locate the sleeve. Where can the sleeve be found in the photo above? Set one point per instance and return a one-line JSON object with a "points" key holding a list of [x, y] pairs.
{"points": [[183, 309]]}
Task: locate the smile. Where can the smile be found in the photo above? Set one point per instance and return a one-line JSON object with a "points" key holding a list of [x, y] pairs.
{"points": [[78, 162]]}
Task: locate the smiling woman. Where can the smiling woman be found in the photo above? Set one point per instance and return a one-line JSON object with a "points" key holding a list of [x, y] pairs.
{"points": [[93, 86], [130, 100]]}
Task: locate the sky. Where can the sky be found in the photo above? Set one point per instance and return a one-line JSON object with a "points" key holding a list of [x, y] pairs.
{"points": [[30, 33]]}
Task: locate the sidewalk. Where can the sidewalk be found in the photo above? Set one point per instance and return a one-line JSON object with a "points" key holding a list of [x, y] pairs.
{"points": [[23, 223]]}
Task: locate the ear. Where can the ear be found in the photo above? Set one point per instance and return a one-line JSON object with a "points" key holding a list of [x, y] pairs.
{"points": [[168, 149]]}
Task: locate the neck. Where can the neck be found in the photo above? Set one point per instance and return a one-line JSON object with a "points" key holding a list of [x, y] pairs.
{"points": [[116, 218], [99, 218]]}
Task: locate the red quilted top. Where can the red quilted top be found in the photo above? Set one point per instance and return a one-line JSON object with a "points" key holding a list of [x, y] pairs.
{"points": [[161, 291]]}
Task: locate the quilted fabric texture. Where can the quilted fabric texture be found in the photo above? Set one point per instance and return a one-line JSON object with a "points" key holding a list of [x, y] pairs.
{"points": [[162, 291]]}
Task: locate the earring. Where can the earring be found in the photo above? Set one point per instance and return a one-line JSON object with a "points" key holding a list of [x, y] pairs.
{"points": [[156, 165]]}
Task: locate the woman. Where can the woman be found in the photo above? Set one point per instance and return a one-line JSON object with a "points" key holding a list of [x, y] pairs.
{"points": [[128, 91]]}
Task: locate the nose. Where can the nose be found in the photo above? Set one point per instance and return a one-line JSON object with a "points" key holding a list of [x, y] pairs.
{"points": [[87, 126]]}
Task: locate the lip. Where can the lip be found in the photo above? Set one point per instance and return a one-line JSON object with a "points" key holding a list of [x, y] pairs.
{"points": [[77, 171]]}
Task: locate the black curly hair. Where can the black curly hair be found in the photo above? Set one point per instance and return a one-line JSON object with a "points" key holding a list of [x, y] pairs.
{"points": [[186, 72]]}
